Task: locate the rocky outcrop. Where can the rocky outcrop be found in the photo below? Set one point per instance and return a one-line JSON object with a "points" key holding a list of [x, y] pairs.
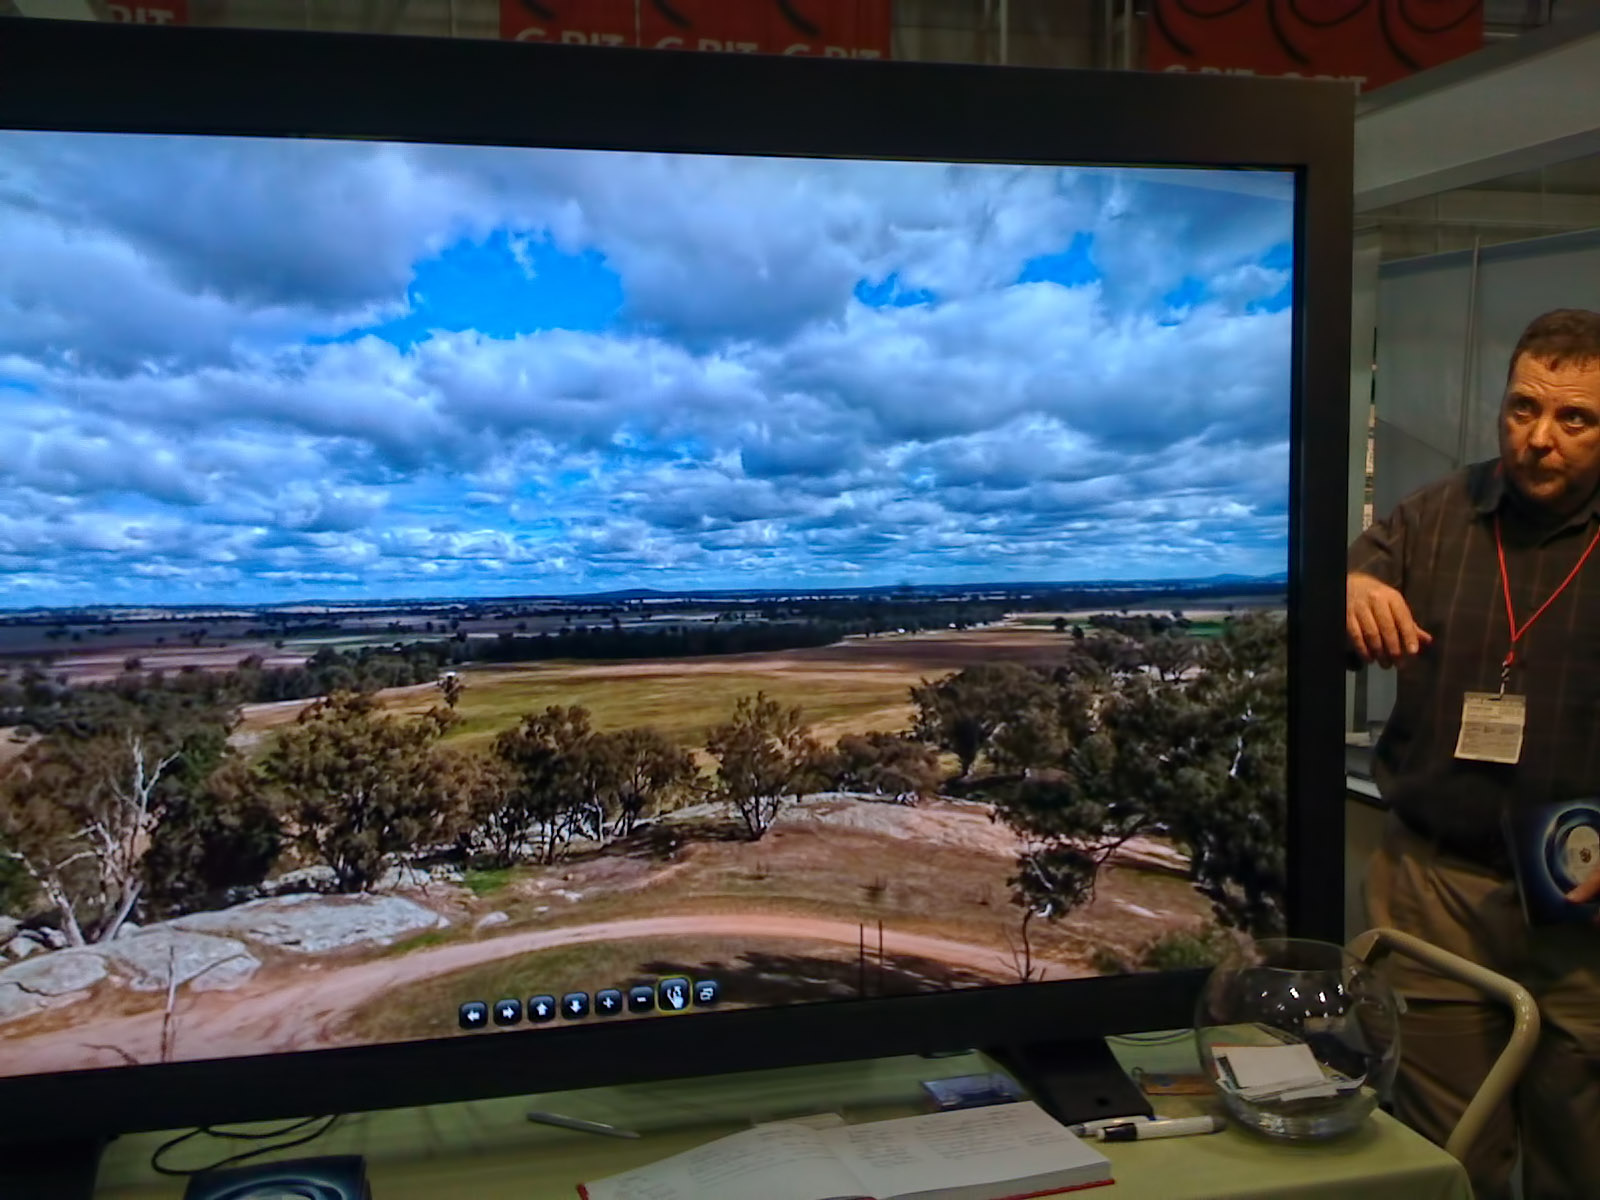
{"points": [[207, 951], [148, 958], [48, 981], [19, 947], [309, 924]]}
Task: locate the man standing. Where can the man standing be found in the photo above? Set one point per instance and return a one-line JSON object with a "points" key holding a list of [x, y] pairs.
{"points": [[1482, 585]]}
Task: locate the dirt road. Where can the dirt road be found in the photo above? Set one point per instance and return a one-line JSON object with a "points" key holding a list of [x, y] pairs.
{"points": [[305, 1011]]}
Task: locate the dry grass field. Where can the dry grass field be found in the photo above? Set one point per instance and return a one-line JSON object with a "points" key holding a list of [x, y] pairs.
{"points": [[853, 686], [793, 917], [913, 871]]}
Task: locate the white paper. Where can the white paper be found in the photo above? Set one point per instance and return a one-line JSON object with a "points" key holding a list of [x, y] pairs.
{"points": [[963, 1148], [1315, 1091], [1269, 1066], [774, 1162], [1491, 727]]}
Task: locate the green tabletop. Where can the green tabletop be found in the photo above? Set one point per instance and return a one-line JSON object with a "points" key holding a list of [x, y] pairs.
{"points": [[487, 1150]]}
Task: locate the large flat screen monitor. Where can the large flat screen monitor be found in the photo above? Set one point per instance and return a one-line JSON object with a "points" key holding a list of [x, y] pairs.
{"points": [[526, 566]]}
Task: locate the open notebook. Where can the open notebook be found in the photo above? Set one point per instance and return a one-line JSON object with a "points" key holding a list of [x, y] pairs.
{"points": [[1006, 1152]]}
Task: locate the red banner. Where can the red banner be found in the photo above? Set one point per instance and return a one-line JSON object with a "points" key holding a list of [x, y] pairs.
{"points": [[1372, 42], [579, 22], [833, 28], [151, 12]]}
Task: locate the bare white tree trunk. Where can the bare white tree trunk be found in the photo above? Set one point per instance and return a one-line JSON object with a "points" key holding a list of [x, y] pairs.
{"points": [[125, 834], [169, 1032], [49, 881]]}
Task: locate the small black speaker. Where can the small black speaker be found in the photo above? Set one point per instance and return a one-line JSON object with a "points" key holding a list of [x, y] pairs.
{"points": [[336, 1177]]}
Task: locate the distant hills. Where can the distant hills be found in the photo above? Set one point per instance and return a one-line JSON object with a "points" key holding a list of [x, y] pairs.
{"points": [[1108, 591], [1207, 582]]}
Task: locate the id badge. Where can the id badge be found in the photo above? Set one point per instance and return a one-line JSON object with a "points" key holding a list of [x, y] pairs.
{"points": [[1491, 727]]}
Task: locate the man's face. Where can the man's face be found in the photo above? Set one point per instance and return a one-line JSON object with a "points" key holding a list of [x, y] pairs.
{"points": [[1550, 432]]}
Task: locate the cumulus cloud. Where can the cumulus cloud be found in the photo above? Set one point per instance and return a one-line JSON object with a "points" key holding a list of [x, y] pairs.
{"points": [[260, 222], [819, 373]]}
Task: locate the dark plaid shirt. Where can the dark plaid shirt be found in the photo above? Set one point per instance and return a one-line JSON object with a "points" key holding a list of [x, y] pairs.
{"points": [[1438, 549]]}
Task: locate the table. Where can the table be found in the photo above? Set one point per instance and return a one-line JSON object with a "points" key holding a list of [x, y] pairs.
{"points": [[487, 1149]]}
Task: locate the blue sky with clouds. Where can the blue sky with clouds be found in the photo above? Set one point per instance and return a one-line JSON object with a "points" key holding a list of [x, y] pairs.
{"points": [[260, 371]]}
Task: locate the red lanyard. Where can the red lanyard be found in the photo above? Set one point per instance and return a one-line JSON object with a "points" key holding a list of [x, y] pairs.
{"points": [[1511, 619]]}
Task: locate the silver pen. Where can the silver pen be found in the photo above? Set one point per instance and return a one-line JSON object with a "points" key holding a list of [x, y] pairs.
{"points": [[539, 1117]]}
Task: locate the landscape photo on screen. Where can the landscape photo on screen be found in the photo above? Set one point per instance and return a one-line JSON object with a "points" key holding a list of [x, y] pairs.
{"points": [[439, 583]]}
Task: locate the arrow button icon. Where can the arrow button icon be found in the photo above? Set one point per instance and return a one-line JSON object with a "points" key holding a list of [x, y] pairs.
{"points": [[508, 1012]]}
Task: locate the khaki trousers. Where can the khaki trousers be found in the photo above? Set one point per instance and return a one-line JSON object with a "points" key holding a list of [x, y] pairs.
{"points": [[1449, 1035]]}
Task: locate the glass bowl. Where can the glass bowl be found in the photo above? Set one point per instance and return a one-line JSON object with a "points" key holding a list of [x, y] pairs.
{"points": [[1292, 993]]}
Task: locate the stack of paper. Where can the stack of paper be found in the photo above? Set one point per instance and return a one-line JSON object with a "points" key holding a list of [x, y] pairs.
{"points": [[1001, 1152], [1276, 1073]]}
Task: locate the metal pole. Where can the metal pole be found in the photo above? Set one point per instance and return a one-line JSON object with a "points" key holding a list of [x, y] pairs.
{"points": [[1127, 35], [1005, 31]]}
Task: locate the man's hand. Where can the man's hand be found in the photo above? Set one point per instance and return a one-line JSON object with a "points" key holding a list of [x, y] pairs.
{"points": [[1379, 622], [1587, 891]]}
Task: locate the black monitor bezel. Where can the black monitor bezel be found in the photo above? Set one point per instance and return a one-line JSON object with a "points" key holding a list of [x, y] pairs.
{"points": [[96, 77]]}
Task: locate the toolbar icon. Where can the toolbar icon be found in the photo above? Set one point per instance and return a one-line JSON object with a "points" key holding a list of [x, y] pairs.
{"points": [[507, 1012], [641, 998], [673, 995]]}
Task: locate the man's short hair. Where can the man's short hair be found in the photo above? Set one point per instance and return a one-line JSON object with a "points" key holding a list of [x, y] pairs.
{"points": [[1561, 338]]}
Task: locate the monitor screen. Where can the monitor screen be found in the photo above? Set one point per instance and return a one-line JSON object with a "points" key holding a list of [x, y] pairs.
{"points": [[451, 589]]}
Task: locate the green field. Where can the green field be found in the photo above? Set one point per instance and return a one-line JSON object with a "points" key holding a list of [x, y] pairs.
{"points": [[681, 699], [1203, 627], [850, 687]]}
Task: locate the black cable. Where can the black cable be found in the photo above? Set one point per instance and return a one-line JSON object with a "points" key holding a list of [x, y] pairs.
{"points": [[323, 1125]]}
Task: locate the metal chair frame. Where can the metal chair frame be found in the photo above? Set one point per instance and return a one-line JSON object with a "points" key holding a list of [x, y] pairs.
{"points": [[1374, 944]]}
